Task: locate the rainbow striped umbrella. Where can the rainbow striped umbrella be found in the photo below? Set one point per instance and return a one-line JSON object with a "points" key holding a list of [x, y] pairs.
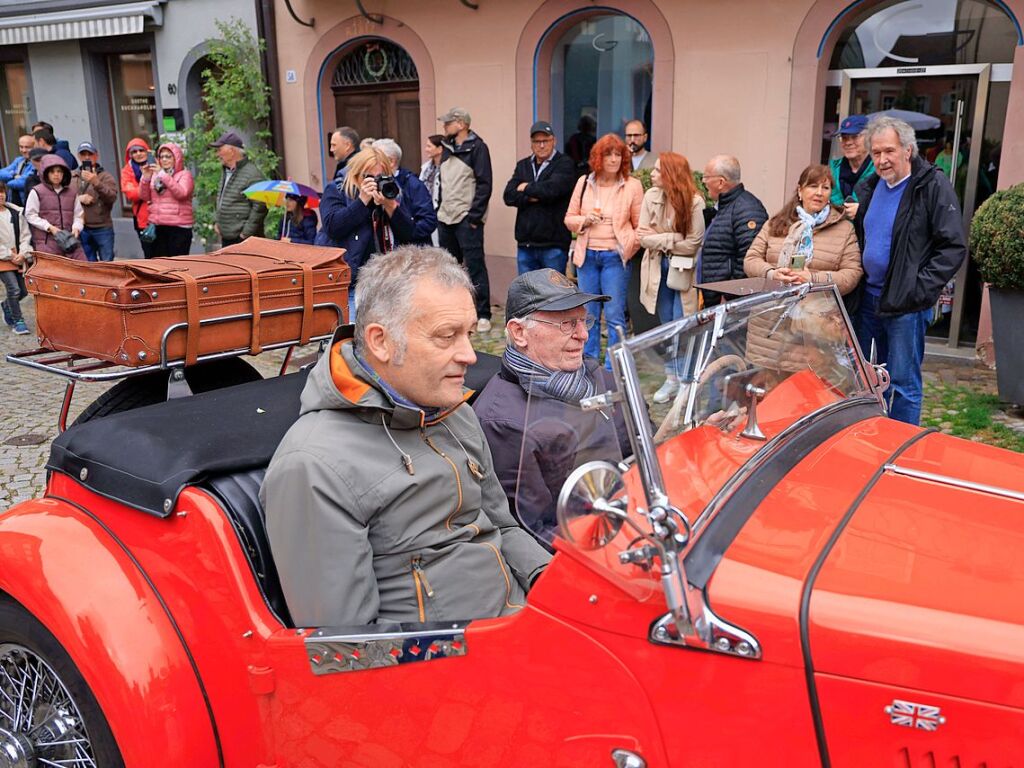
{"points": [[272, 192]]}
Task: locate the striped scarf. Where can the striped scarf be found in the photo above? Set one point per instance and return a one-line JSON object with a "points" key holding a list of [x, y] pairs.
{"points": [[567, 386]]}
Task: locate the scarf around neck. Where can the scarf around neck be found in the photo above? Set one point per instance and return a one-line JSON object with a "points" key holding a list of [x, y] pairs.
{"points": [[567, 386], [800, 239]]}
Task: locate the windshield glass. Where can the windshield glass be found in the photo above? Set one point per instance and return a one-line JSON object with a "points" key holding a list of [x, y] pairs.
{"points": [[786, 354]]}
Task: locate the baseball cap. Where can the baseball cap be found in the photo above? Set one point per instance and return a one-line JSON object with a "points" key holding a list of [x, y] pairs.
{"points": [[545, 289], [87, 146], [542, 126], [455, 113], [38, 152], [230, 138], [853, 125]]}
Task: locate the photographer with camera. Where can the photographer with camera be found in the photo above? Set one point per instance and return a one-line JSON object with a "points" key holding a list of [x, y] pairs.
{"points": [[167, 185], [97, 192], [365, 213]]}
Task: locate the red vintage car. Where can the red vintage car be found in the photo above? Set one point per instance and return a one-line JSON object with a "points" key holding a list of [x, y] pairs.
{"points": [[777, 575]]}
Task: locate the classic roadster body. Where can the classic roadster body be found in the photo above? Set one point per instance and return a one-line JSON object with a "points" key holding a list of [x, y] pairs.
{"points": [[779, 575]]}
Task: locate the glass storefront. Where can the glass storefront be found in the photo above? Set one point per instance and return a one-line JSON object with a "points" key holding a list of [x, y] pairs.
{"points": [[132, 97], [15, 108], [926, 62], [601, 76]]}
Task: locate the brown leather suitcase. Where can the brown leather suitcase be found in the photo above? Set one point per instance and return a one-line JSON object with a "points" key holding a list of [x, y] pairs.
{"points": [[120, 311]]}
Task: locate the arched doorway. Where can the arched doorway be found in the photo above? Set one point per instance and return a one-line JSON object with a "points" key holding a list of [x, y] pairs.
{"points": [[600, 74], [948, 65], [376, 90]]}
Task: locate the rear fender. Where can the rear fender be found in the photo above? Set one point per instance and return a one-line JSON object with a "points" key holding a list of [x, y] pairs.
{"points": [[68, 571]]}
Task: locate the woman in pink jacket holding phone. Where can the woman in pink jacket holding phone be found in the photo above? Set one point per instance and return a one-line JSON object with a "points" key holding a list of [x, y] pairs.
{"points": [[168, 186], [604, 212]]}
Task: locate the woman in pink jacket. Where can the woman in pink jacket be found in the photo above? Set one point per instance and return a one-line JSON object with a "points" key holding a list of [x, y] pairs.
{"points": [[604, 212], [167, 187]]}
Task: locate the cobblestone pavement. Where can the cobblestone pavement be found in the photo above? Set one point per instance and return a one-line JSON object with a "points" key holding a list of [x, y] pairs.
{"points": [[33, 398]]}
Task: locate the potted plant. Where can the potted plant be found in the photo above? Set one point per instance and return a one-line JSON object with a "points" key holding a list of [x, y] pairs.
{"points": [[997, 243]]}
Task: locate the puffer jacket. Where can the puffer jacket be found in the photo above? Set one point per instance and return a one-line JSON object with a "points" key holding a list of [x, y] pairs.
{"points": [[130, 186], [928, 240], [836, 253], [374, 514], [171, 206], [659, 238], [237, 215], [623, 207], [59, 208], [739, 218]]}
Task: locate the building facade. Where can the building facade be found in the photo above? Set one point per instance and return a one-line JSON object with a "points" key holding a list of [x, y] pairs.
{"points": [[767, 82], [106, 72]]}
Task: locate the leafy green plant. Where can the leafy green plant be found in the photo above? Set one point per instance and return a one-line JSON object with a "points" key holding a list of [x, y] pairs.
{"points": [[644, 175], [997, 239], [236, 97]]}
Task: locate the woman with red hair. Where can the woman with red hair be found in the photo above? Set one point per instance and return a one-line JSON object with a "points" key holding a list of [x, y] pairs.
{"points": [[671, 230], [604, 213]]}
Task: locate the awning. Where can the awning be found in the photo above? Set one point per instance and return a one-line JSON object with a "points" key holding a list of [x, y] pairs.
{"points": [[104, 21]]}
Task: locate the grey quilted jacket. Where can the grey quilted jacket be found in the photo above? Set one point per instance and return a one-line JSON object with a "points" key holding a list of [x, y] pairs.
{"points": [[237, 215]]}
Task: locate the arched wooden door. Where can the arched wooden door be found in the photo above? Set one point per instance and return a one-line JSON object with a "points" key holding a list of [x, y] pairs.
{"points": [[376, 91]]}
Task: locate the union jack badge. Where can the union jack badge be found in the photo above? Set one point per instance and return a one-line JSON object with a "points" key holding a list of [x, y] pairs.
{"points": [[922, 717]]}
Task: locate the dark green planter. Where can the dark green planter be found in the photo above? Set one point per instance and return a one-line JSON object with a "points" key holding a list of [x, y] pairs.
{"points": [[1008, 335]]}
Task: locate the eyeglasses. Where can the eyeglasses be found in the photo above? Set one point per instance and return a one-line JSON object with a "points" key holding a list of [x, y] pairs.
{"points": [[136, 150], [165, 156], [542, 141], [567, 327], [635, 135], [712, 176]]}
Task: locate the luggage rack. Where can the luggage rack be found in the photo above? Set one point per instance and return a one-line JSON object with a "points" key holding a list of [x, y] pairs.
{"points": [[77, 367]]}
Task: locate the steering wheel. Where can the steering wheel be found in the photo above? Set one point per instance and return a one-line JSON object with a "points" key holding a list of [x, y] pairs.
{"points": [[671, 420]]}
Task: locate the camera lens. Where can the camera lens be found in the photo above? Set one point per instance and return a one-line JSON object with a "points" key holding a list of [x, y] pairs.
{"points": [[387, 186]]}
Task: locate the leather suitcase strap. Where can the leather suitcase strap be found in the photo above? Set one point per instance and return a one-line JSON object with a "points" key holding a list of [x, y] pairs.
{"points": [[254, 278], [192, 316]]}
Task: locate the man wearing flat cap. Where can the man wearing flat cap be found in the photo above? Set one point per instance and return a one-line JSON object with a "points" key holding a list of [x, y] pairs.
{"points": [[543, 377], [465, 190], [238, 217], [539, 189]]}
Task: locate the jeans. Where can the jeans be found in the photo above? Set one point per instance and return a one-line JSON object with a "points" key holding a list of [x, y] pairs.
{"points": [[604, 272], [899, 343], [530, 257], [670, 307], [98, 243], [466, 244], [14, 282]]}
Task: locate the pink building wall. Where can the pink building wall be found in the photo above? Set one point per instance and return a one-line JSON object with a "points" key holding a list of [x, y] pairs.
{"points": [[730, 76]]}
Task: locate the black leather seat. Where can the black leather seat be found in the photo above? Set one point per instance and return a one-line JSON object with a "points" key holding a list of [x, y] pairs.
{"points": [[239, 495]]}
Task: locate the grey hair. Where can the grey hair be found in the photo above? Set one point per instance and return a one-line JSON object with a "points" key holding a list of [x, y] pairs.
{"points": [[526, 322], [349, 133], [904, 132], [388, 281], [727, 166], [390, 148]]}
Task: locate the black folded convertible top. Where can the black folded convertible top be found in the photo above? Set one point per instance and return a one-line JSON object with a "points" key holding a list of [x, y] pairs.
{"points": [[145, 457]]}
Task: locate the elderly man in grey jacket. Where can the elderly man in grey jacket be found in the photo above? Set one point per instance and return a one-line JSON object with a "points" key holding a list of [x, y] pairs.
{"points": [[382, 503]]}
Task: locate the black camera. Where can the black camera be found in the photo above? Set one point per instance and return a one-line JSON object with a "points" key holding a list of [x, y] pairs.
{"points": [[87, 165], [387, 186]]}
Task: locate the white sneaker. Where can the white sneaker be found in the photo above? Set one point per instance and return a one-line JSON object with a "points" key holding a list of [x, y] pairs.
{"points": [[483, 325], [667, 390]]}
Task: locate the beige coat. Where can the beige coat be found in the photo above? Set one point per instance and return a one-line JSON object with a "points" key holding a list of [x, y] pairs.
{"points": [[658, 236], [836, 253], [624, 208]]}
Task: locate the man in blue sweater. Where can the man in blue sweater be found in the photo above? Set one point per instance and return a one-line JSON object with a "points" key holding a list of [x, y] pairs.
{"points": [[912, 241], [14, 175]]}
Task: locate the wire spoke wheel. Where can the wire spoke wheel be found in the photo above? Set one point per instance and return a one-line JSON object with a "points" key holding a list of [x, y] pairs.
{"points": [[40, 723]]}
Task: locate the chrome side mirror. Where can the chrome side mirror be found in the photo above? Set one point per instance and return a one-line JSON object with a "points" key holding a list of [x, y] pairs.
{"points": [[592, 505]]}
